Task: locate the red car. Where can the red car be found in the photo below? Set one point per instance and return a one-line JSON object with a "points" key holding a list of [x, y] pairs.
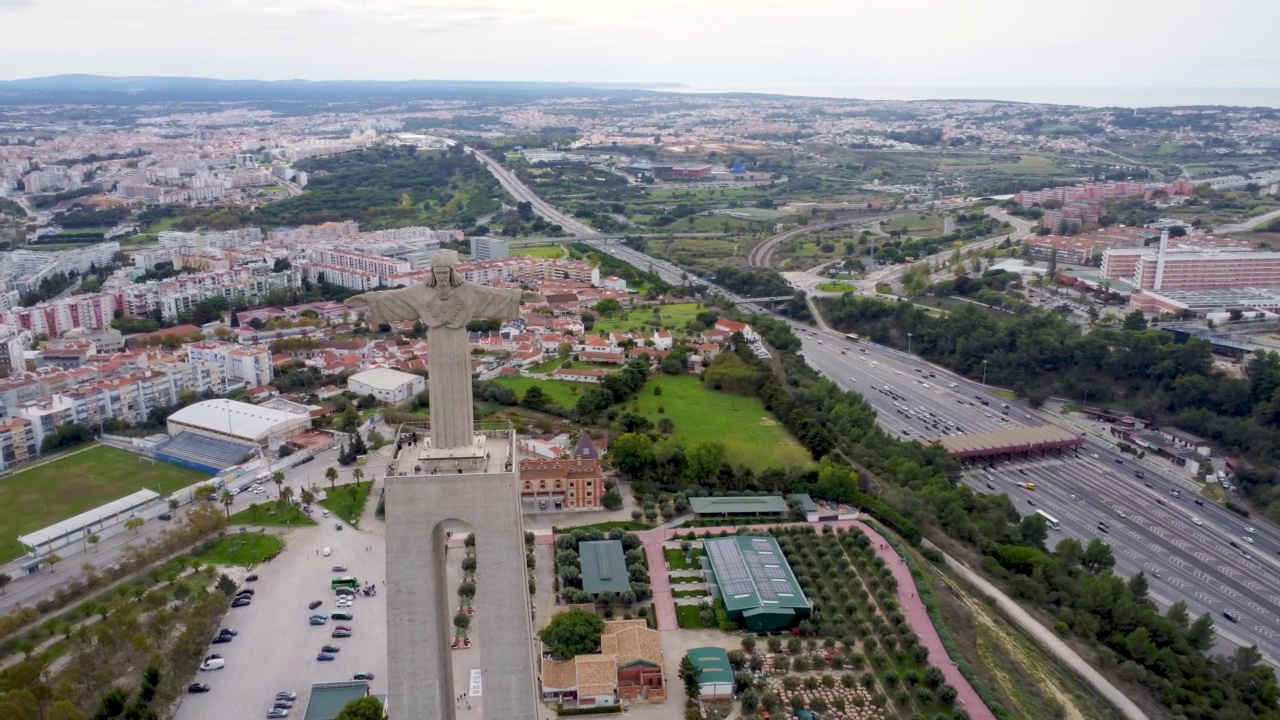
{"points": [[344, 627]]}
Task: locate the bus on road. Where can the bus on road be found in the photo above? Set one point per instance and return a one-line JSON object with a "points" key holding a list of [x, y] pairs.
{"points": [[1050, 520], [851, 337], [344, 582]]}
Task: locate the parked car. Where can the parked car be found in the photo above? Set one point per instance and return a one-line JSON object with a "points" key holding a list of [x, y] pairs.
{"points": [[337, 526], [228, 631], [315, 604], [245, 591], [339, 568], [343, 615], [250, 578], [198, 688], [330, 649], [316, 621], [221, 639], [286, 695], [213, 664], [276, 714], [340, 634], [283, 704], [324, 657], [240, 602], [319, 616], [362, 675]]}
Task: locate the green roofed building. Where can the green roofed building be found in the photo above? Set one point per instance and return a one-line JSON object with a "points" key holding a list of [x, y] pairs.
{"points": [[328, 698], [750, 576], [604, 566], [757, 506], [715, 674]]}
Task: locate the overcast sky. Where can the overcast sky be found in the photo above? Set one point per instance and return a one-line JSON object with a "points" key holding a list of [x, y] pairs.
{"points": [[704, 43]]}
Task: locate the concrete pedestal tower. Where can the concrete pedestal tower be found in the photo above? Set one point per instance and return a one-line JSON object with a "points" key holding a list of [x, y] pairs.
{"points": [[477, 485]]}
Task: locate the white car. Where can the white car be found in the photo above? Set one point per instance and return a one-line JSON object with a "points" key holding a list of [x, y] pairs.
{"points": [[1251, 531], [1248, 539], [328, 552], [853, 379], [1196, 521]]}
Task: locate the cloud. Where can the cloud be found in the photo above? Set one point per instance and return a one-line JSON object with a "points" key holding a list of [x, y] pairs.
{"points": [[16, 3]]}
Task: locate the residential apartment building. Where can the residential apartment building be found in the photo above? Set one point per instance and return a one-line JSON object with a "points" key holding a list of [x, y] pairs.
{"points": [[57, 317], [238, 365], [1206, 270], [210, 239], [380, 267], [17, 443], [14, 341]]}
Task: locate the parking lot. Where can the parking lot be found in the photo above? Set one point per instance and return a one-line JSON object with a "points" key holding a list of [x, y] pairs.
{"points": [[276, 647]]}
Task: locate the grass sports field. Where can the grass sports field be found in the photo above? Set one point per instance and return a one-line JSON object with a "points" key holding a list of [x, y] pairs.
{"points": [[44, 495], [750, 435]]}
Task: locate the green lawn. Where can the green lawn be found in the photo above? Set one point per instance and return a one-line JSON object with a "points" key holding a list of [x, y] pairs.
{"points": [[346, 502], [916, 224], [750, 435], [562, 391], [687, 617], [269, 513], [836, 287], [244, 549], [35, 498], [668, 317], [627, 525], [690, 593], [676, 561], [539, 251]]}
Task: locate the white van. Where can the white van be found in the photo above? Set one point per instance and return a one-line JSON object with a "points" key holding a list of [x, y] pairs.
{"points": [[328, 552], [213, 664]]}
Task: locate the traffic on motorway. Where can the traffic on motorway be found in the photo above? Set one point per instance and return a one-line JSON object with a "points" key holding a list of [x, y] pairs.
{"points": [[1197, 552]]}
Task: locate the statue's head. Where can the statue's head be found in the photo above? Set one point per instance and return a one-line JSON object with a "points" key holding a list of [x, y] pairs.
{"points": [[442, 270]]}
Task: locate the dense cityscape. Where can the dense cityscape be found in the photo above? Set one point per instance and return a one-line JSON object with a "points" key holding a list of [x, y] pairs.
{"points": [[812, 407]]}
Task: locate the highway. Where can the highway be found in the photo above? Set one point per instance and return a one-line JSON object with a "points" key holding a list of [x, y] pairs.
{"points": [[762, 255], [1196, 563], [520, 191], [1222, 563]]}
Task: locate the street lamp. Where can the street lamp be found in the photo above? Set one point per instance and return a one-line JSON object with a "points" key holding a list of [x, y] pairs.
{"points": [[984, 373], [908, 343]]}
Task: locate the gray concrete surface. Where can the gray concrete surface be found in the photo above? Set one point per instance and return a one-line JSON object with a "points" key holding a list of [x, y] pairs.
{"points": [[276, 648], [421, 601]]}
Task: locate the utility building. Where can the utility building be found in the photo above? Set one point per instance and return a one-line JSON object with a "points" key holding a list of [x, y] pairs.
{"points": [[749, 574]]}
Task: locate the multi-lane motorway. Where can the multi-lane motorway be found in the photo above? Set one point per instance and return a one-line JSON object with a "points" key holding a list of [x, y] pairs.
{"points": [[1201, 554], [1215, 562]]}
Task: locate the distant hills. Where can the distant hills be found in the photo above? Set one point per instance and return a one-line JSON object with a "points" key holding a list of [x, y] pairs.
{"points": [[148, 89]]}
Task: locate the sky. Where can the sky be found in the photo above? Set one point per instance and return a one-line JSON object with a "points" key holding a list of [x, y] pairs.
{"points": [[707, 44]]}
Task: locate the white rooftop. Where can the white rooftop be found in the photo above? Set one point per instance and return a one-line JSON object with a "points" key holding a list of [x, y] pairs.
{"points": [[235, 418], [88, 518], [383, 378]]}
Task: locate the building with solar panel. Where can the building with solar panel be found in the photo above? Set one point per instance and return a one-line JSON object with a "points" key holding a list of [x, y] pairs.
{"points": [[751, 577]]}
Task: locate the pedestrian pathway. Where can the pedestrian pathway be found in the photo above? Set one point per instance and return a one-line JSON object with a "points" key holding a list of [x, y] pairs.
{"points": [[663, 608], [918, 616]]}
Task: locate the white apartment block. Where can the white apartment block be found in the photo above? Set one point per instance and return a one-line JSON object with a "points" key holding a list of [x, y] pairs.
{"points": [[307, 234], [515, 269], [345, 277], [13, 342], [239, 365], [210, 239], [377, 265]]}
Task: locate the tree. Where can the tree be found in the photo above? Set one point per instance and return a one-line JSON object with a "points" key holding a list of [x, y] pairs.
{"points": [[705, 458], [1135, 321], [227, 500], [277, 477], [5, 579], [572, 633], [133, 523], [364, 708], [611, 500], [357, 475], [1053, 263], [1097, 556], [307, 498], [689, 675], [332, 476], [94, 540]]}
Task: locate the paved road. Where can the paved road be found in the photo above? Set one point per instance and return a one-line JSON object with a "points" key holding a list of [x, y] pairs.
{"points": [[520, 191], [1250, 223], [762, 255]]}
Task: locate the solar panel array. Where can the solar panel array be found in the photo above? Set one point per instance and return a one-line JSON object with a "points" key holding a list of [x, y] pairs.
{"points": [[765, 566], [731, 572]]}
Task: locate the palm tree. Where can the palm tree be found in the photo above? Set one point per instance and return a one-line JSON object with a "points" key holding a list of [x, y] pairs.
{"points": [[358, 474], [227, 499], [94, 540], [286, 495], [253, 510], [277, 477], [307, 497], [331, 475], [133, 524]]}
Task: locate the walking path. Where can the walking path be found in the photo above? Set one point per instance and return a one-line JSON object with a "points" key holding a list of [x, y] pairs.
{"points": [[663, 607], [918, 616]]}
